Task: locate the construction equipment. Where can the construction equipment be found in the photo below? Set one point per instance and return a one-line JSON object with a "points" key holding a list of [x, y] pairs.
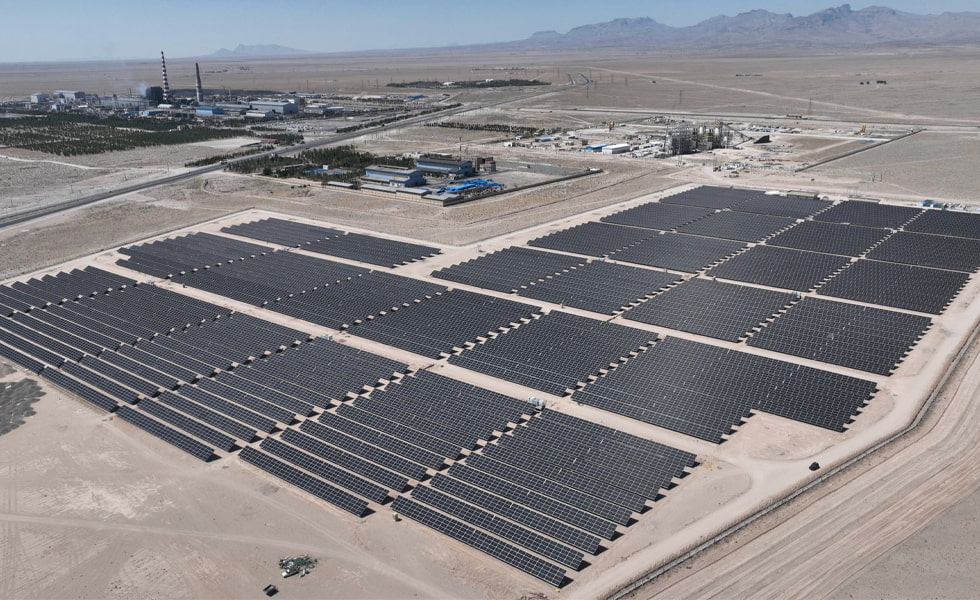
{"points": [[301, 565]]}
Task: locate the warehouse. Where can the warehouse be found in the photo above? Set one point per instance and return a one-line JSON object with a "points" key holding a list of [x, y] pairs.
{"points": [[393, 176], [445, 166], [276, 106], [209, 111]]}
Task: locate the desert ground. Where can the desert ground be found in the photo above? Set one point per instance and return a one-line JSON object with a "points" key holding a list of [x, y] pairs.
{"points": [[104, 511]]}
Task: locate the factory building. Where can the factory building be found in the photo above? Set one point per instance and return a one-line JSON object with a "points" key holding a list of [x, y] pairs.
{"points": [[260, 115], [445, 166], [393, 176], [209, 111], [39, 98], [276, 106], [616, 149], [70, 95], [154, 94]]}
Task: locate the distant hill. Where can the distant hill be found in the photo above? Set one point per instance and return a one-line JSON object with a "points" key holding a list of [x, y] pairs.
{"points": [[258, 50], [832, 27]]}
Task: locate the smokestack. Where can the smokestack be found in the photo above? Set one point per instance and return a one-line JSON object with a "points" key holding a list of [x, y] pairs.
{"points": [[200, 90], [166, 84]]}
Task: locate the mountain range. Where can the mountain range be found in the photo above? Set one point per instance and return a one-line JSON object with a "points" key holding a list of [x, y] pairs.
{"points": [[258, 50], [832, 27]]}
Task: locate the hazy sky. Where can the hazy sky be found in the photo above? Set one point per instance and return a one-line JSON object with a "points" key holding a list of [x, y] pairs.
{"points": [[98, 29]]}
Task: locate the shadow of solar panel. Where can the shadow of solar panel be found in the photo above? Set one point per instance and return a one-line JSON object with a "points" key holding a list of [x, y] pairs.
{"points": [[83, 391], [443, 322], [517, 513], [869, 214], [703, 391], [567, 504], [680, 252], [166, 433], [830, 238], [893, 284], [504, 529], [601, 287], [483, 542], [712, 196], [780, 267], [508, 269], [944, 222], [923, 250], [850, 335], [656, 215], [712, 308], [339, 498], [730, 225], [325, 470], [593, 239], [555, 352], [783, 206]]}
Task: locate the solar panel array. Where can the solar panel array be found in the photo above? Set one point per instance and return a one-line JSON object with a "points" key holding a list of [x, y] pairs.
{"points": [[447, 321], [901, 286], [656, 215], [869, 214], [508, 269], [783, 206], [923, 250], [704, 391], [601, 287], [830, 238], [555, 352], [712, 197], [555, 485], [780, 267], [355, 246], [732, 225], [850, 335], [593, 239], [941, 222], [679, 252], [720, 310], [186, 253]]}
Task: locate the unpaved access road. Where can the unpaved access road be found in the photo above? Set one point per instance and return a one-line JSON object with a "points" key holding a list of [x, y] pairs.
{"points": [[815, 544]]}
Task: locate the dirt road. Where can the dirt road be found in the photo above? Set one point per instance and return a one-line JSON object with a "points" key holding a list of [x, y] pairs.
{"points": [[822, 540]]}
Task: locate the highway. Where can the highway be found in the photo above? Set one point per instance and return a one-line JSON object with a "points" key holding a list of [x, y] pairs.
{"points": [[36, 213]]}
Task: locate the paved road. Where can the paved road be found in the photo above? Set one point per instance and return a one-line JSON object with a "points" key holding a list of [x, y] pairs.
{"points": [[36, 213]]}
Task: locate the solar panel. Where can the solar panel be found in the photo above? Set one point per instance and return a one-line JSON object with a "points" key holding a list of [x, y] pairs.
{"points": [[923, 250], [946, 222], [869, 214], [830, 238], [737, 226], [679, 252], [166, 433], [780, 267], [850, 335], [784, 206], [892, 284], [373, 453], [712, 308], [593, 239], [508, 269], [599, 286], [475, 538], [712, 196], [78, 388], [191, 426], [509, 531], [339, 498], [657, 215], [325, 470], [346, 460]]}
